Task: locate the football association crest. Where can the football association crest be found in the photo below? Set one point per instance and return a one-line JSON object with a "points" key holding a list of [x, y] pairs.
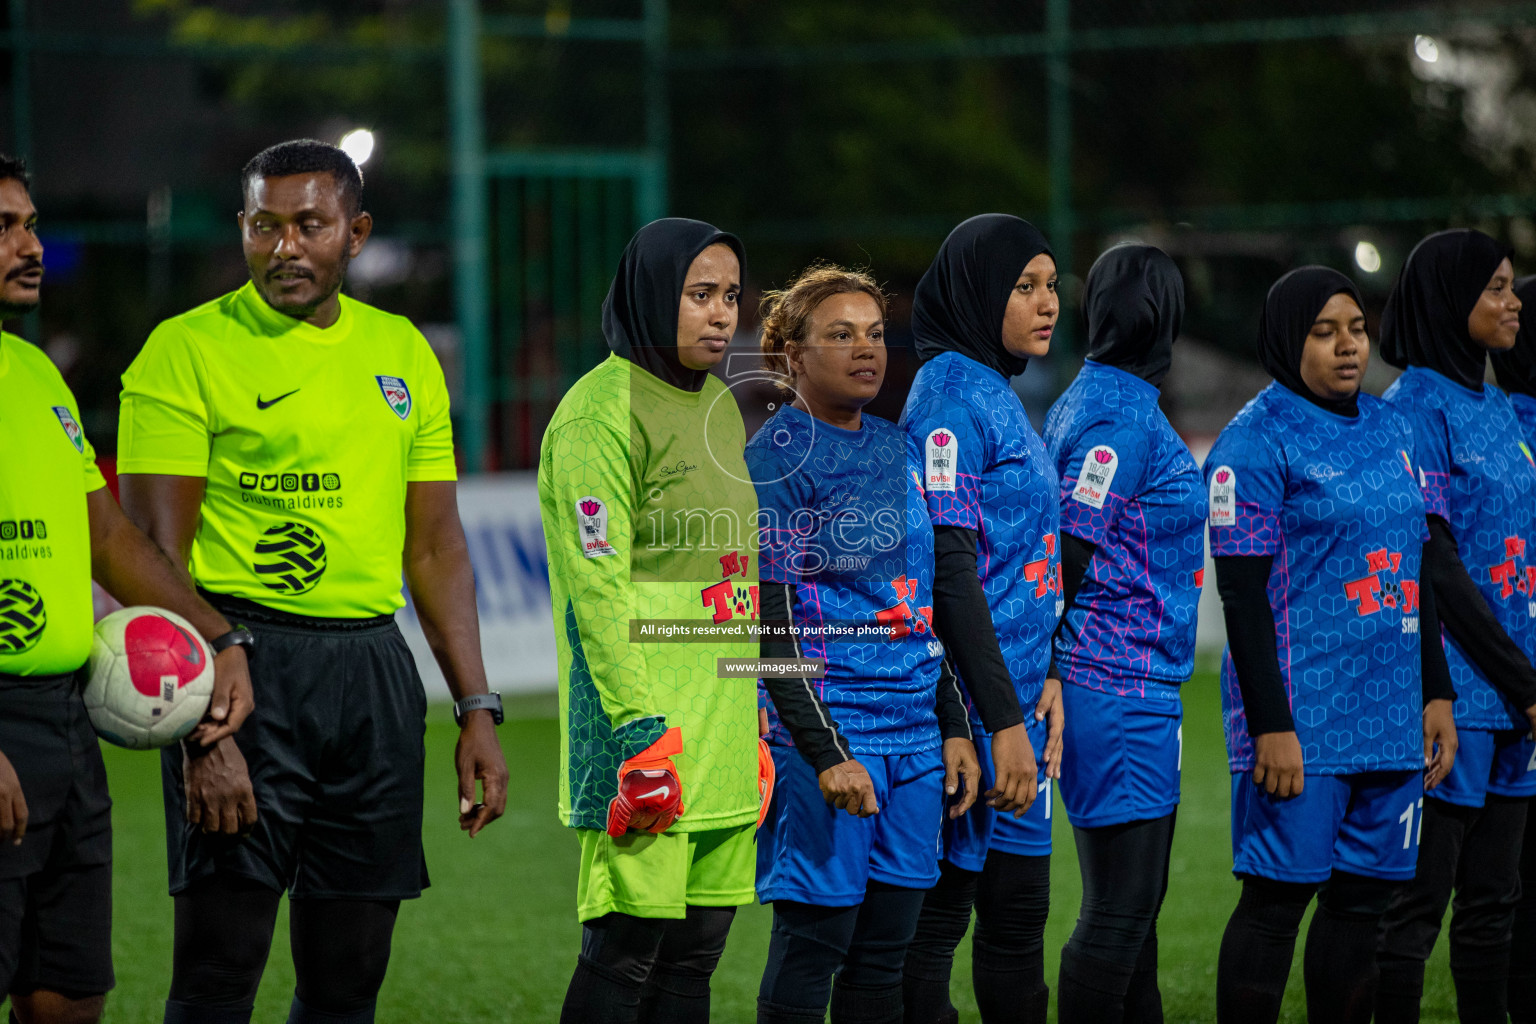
{"points": [[397, 394], [71, 428]]}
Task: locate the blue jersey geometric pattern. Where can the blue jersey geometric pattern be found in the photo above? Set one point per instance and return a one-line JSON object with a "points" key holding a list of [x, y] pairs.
{"points": [[1477, 473], [1525, 415], [1131, 628], [985, 469], [1336, 502], [842, 518]]}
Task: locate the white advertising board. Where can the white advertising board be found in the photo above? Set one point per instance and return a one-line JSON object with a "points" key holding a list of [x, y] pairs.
{"points": [[500, 513]]}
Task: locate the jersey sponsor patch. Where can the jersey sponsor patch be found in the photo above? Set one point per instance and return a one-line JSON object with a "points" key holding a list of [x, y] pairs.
{"points": [[1223, 497], [939, 461], [397, 394], [592, 527], [1097, 474], [71, 428]]}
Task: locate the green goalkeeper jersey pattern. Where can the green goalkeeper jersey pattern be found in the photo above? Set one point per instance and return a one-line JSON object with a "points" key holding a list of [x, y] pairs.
{"points": [[649, 514], [307, 438], [47, 468]]}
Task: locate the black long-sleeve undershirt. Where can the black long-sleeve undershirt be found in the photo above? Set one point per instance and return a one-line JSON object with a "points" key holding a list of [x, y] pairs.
{"points": [[964, 622], [1243, 582], [1470, 621], [1076, 554], [1435, 674], [805, 714]]}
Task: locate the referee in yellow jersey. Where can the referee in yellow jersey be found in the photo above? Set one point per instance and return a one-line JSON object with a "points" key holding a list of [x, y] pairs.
{"points": [[59, 527], [291, 446]]}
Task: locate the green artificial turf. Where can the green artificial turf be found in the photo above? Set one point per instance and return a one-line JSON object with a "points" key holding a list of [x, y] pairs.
{"points": [[495, 937]]}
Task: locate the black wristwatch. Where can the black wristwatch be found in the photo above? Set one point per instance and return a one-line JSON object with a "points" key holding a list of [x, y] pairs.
{"points": [[237, 637], [481, 701]]}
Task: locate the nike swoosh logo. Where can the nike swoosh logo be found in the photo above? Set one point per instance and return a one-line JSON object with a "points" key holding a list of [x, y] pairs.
{"points": [[267, 405], [194, 653], [662, 793]]}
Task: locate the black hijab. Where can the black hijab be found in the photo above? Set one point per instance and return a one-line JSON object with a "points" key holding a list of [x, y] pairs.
{"points": [[640, 312], [1516, 369], [1290, 310], [1133, 304], [1425, 322], [960, 301]]}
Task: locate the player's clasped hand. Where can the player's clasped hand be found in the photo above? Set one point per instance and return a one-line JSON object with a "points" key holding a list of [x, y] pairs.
{"points": [[478, 756], [218, 788], [650, 796], [1278, 765], [1013, 766], [13, 805], [848, 787], [962, 775], [1440, 742], [1050, 710], [233, 699]]}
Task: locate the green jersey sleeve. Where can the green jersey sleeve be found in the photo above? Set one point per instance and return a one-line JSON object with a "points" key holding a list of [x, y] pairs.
{"points": [[431, 456], [163, 422], [587, 494], [91, 473], [94, 481]]}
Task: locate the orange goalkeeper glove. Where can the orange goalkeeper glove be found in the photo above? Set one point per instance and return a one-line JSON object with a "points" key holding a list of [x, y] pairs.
{"points": [[650, 794], [765, 780]]}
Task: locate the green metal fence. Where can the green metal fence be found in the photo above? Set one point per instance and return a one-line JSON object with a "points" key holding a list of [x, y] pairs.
{"points": [[535, 232]]}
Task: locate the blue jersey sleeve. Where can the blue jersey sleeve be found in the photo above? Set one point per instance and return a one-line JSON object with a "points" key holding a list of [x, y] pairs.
{"points": [[786, 503], [1432, 454], [1413, 464], [1100, 473], [1245, 475], [955, 452]]}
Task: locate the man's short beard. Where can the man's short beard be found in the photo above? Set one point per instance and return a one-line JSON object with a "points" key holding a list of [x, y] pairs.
{"points": [[12, 310], [303, 312]]}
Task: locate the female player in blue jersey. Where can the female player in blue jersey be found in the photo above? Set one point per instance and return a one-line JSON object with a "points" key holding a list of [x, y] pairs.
{"points": [[986, 305], [1333, 707], [846, 545], [1133, 557], [1453, 303], [1516, 373]]}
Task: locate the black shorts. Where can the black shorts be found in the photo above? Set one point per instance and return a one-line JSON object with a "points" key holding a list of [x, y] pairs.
{"points": [[335, 750], [56, 887]]}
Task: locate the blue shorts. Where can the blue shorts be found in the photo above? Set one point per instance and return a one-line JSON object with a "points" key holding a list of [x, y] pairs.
{"points": [[1502, 763], [1121, 758], [1366, 824], [811, 852], [966, 840]]}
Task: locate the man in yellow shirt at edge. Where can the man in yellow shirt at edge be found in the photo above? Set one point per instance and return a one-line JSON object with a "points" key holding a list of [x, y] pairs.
{"points": [[292, 447], [59, 526]]}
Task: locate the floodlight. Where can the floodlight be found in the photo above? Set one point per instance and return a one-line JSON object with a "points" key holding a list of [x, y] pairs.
{"points": [[1367, 257], [358, 144]]}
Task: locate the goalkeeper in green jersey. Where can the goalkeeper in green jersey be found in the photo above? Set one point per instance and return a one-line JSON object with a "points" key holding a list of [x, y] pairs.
{"points": [[650, 517]]}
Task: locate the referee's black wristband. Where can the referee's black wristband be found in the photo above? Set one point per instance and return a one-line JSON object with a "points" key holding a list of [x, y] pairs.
{"points": [[240, 636], [478, 702]]}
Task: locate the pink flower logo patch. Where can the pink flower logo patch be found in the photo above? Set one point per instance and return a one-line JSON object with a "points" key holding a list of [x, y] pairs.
{"points": [[590, 507], [1222, 476], [941, 439], [1103, 455]]}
